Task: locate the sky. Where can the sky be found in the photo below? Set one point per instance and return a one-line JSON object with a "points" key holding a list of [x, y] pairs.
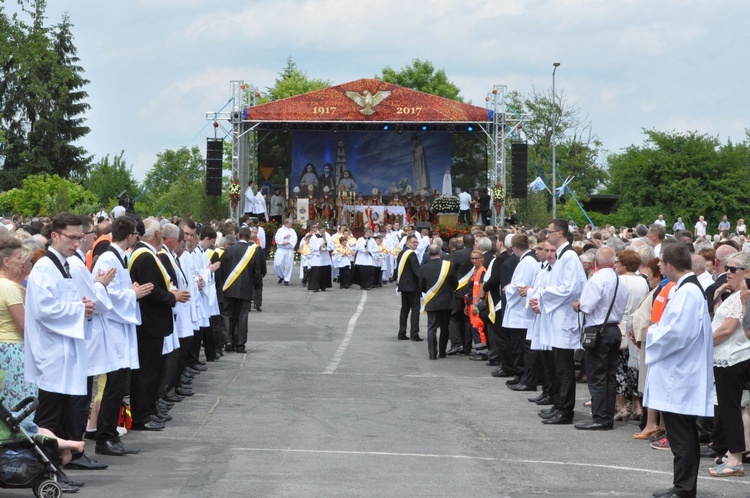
{"points": [[157, 66]]}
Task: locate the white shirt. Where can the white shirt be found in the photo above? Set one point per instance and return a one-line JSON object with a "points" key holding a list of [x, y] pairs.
{"points": [[735, 348], [660, 222], [464, 199], [597, 295], [118, 211], [700, 228]]}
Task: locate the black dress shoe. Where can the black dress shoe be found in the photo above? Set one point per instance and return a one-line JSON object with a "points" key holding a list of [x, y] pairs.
{"points": [[109, 448], [441, 355], [158, 417], [502, 373], [198, 367], [240, 349], [537, 398], [173, 398], [183, 391], [493, 363], [67, 488], [280, 280], [513, 381], [128, 451], [433, 357], [229, 348], [148, 426], [479, 357], [287, 284], [186, 380], [85, 463], [548, 412], [402, 337], [454, 350], [416, 338], [559, 419], [662, 494], [213, 358], [63, 478], [546, 401], [590, 425], [522, 387], [190, 371], [257, 308]]}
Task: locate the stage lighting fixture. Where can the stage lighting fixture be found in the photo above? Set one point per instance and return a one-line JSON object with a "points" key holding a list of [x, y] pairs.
{"points": [[424, 127], [399, 129], [385, 127], [470, 128], [285, 128], [451, 129], [335, 128]]}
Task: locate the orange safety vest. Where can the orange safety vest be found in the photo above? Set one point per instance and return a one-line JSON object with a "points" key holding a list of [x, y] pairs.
{"points": [[661, 302], [476, 322], [90, 254]]}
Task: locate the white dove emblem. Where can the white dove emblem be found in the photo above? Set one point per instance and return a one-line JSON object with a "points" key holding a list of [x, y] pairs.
{"points": [[367, 100]]}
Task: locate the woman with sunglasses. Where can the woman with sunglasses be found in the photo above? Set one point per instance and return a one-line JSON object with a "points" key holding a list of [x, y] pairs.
{"points": [[731, 367]]}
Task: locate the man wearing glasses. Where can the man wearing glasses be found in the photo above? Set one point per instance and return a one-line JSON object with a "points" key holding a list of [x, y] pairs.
{"points": [[55, 350]]}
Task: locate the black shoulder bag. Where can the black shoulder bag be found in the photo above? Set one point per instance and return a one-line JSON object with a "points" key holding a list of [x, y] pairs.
{"points": [[591, 335]]}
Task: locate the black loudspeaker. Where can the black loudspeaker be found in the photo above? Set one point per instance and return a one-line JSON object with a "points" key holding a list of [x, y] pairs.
{"points": [[519, 158], [422, 225], [214, 161]]}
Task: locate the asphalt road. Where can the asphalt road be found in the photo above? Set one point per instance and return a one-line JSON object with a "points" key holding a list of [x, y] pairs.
{"points": [[328, 403]]}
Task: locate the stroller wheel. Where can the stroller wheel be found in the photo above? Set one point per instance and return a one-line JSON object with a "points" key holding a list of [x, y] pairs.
{"points": [[48, 489]]}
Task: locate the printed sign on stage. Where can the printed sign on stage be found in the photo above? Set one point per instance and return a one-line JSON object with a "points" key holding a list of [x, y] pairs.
{"points": [[362, 161]]}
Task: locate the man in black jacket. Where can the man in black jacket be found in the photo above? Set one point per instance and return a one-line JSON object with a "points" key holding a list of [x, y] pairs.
{"points": [[460, 330], [240, 269], [437, 281], [157, 323], [407, 271]]}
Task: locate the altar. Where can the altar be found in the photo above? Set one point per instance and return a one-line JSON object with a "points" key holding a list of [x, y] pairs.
{"points": [[375, 214]]}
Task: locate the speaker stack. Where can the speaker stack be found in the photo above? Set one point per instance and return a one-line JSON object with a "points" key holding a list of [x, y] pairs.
{"points": [[214, 161], [519, 159]]}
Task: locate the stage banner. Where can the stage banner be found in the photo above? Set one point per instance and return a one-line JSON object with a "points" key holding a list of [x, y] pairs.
{"points": [[363, 161]]}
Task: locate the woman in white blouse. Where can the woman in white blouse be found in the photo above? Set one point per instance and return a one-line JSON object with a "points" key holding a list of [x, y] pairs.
{"points": [[731, 366]]}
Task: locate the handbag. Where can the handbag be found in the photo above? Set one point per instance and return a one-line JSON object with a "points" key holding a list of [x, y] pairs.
{"points": [[591, 336]]}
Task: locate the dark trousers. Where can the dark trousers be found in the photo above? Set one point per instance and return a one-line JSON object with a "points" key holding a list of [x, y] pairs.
{"points": [[465, 216], [533, 374], [459, 326], [109, 410], [226, 315], [505, 353], [566, 375], [62, 413], [551, 384], [144, 382], [258, 294], [410, 304], [194, 347], [491, 330], [601, 367], [437, 319], [519, 347], [240, 308], [366, 275], [345, 276], [209, 341], [217, 325], [169, 373], [182, 361], [683, 441], [730, 381]]}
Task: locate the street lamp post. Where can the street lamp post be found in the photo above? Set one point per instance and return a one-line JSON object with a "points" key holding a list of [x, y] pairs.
{"points": [[556, 64]]}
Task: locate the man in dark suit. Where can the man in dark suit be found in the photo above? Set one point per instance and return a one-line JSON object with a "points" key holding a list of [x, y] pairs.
{"points": [[460, 330], [437, 281], [240, 269], [498, 348], [407, 276], [157, 323]]}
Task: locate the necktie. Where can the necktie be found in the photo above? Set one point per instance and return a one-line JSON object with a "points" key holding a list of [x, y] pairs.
{"points": [[67, 270]]}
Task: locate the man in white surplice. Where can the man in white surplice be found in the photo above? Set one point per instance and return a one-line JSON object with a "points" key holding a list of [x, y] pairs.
{"points": [[566, 281], [286, 241], [55, 337], [122, 320]]}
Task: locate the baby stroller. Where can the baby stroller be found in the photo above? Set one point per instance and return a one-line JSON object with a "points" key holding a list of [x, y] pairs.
{"points": [[25, 461]]}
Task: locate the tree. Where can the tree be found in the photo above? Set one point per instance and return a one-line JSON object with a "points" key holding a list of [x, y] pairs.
{"points": [[41, 99], [421, 76], [176, 185], [680, 174], [46, 195], [108, 179], [292, 81]]}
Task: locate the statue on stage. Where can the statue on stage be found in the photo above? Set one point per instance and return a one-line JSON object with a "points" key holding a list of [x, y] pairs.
{"points": [[421, 175], [447, 183]]}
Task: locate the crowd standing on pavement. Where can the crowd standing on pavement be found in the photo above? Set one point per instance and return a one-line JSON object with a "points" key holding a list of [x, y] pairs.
{"points": [[93, 310]]}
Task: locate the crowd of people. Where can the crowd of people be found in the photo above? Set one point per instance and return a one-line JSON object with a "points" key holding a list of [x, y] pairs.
{"points": [[94, 310]]}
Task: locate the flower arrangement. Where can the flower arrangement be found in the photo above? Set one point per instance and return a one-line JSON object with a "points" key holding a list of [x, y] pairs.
{"points": [[498, 196], [445, 204], [234, 192]]}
